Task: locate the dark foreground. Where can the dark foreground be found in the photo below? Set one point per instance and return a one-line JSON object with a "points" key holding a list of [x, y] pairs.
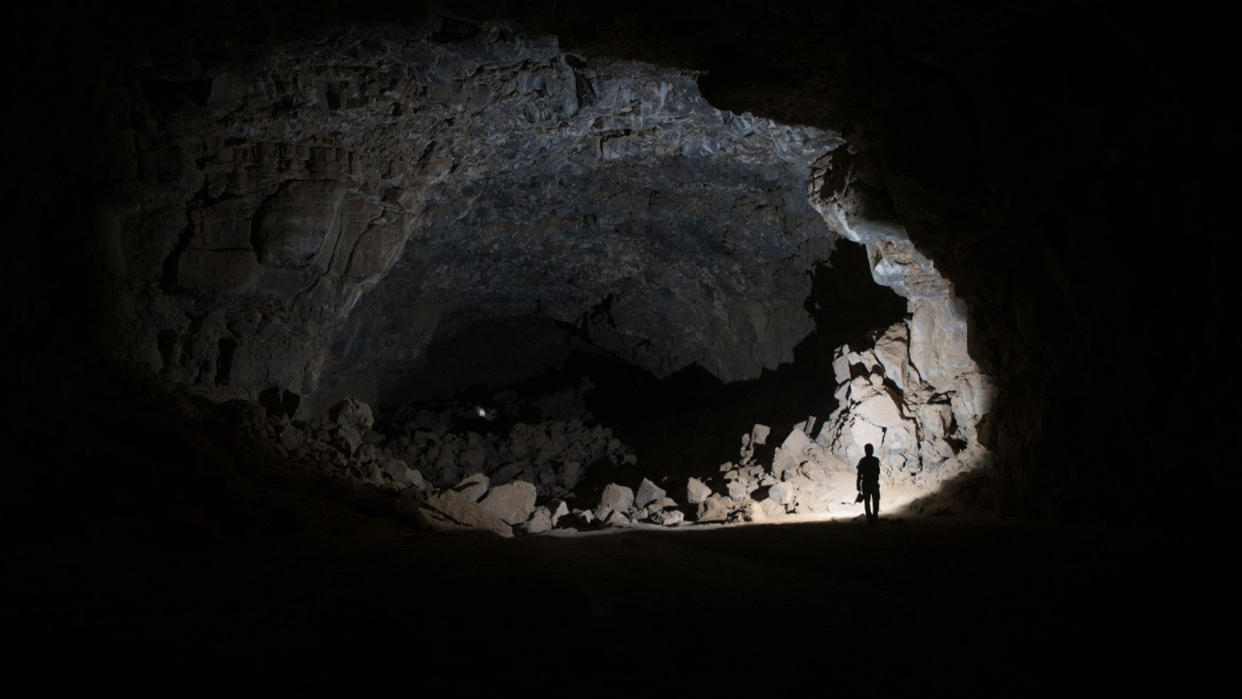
{"points": [[156, 541], [949, 603]]}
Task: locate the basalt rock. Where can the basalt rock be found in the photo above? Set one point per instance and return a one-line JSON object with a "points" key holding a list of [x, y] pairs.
{"points": [[341, 206]]}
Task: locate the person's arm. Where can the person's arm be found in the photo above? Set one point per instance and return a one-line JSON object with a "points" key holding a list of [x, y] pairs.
{"points": [[858, 481]]}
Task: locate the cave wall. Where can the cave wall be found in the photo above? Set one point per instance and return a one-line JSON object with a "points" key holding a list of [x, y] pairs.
{"points": [[1024, 150], [314, 219]]}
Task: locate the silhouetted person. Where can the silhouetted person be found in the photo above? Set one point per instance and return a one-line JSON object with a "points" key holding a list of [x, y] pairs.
{"points": [[869, 484]]}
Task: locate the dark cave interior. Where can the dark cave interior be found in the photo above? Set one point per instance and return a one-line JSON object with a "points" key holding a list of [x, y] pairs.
{"points": [[173, 273]]}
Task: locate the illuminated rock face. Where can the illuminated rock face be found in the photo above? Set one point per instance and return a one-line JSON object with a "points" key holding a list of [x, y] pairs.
{"points": [[916, 395], [338, 206]]}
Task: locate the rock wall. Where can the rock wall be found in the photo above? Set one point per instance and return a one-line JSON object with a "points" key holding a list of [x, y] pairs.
{"points": [[916, 395], [312, 218]]}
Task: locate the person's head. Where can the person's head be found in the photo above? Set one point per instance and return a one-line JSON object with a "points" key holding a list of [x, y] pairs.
{"points": [[868, 449]]}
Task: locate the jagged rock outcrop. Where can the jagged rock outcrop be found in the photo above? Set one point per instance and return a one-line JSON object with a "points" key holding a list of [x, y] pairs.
{"points": [[916, 395]]}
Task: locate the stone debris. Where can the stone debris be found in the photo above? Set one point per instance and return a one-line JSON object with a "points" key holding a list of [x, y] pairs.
{"points": [[553, 454], [524, 479], [912, 397]]}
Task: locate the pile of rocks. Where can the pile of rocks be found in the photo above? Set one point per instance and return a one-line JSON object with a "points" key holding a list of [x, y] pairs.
{"points": [[922, 426], [455, 440], [507, 474], [803, 479], [523, 479]]}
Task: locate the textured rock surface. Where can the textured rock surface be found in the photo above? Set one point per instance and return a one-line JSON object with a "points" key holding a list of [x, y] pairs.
{"points": [[512, 502], [336, 206]]}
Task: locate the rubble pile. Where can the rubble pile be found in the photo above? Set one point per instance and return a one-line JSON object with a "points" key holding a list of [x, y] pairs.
{"points": [[923, 427], [506, 468]]}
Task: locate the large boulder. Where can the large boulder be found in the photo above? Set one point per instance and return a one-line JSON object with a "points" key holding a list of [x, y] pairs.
{"points": [[879, 410], [648, 493], [452, 508], [715, 508], [615, 498], [472, 487], [938, 341], [513, 502], [696, 491], [791, 452]]}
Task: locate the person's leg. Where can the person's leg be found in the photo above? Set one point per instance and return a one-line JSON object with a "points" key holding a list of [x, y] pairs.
{"points": [[867, 503], [875, 504]]}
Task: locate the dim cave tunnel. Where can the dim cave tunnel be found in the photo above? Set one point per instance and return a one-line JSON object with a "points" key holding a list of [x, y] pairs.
{"points": [[472, 334]]}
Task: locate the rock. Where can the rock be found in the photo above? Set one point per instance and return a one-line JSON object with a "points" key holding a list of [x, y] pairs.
{"points": [[669, 518], [938, 341], [217, 270], [648, 493], [782, 493], [294, 222], [879, 410], [352, 412], [465, 512], [291, 437], [739, 490], [759, 434], [394, 469], [771, 509], [540, 521], [748, 511], [473, 487], [935, 418], [508, 472], [570, 474], [617, 518], [512, 502], [790, 453], [327, 208], [862, 432], [347, 438], [696, 491], [559, 509], [899, 439], [414, 477], [472, 458], [841, 364], [713, 509], [617, 498]]}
